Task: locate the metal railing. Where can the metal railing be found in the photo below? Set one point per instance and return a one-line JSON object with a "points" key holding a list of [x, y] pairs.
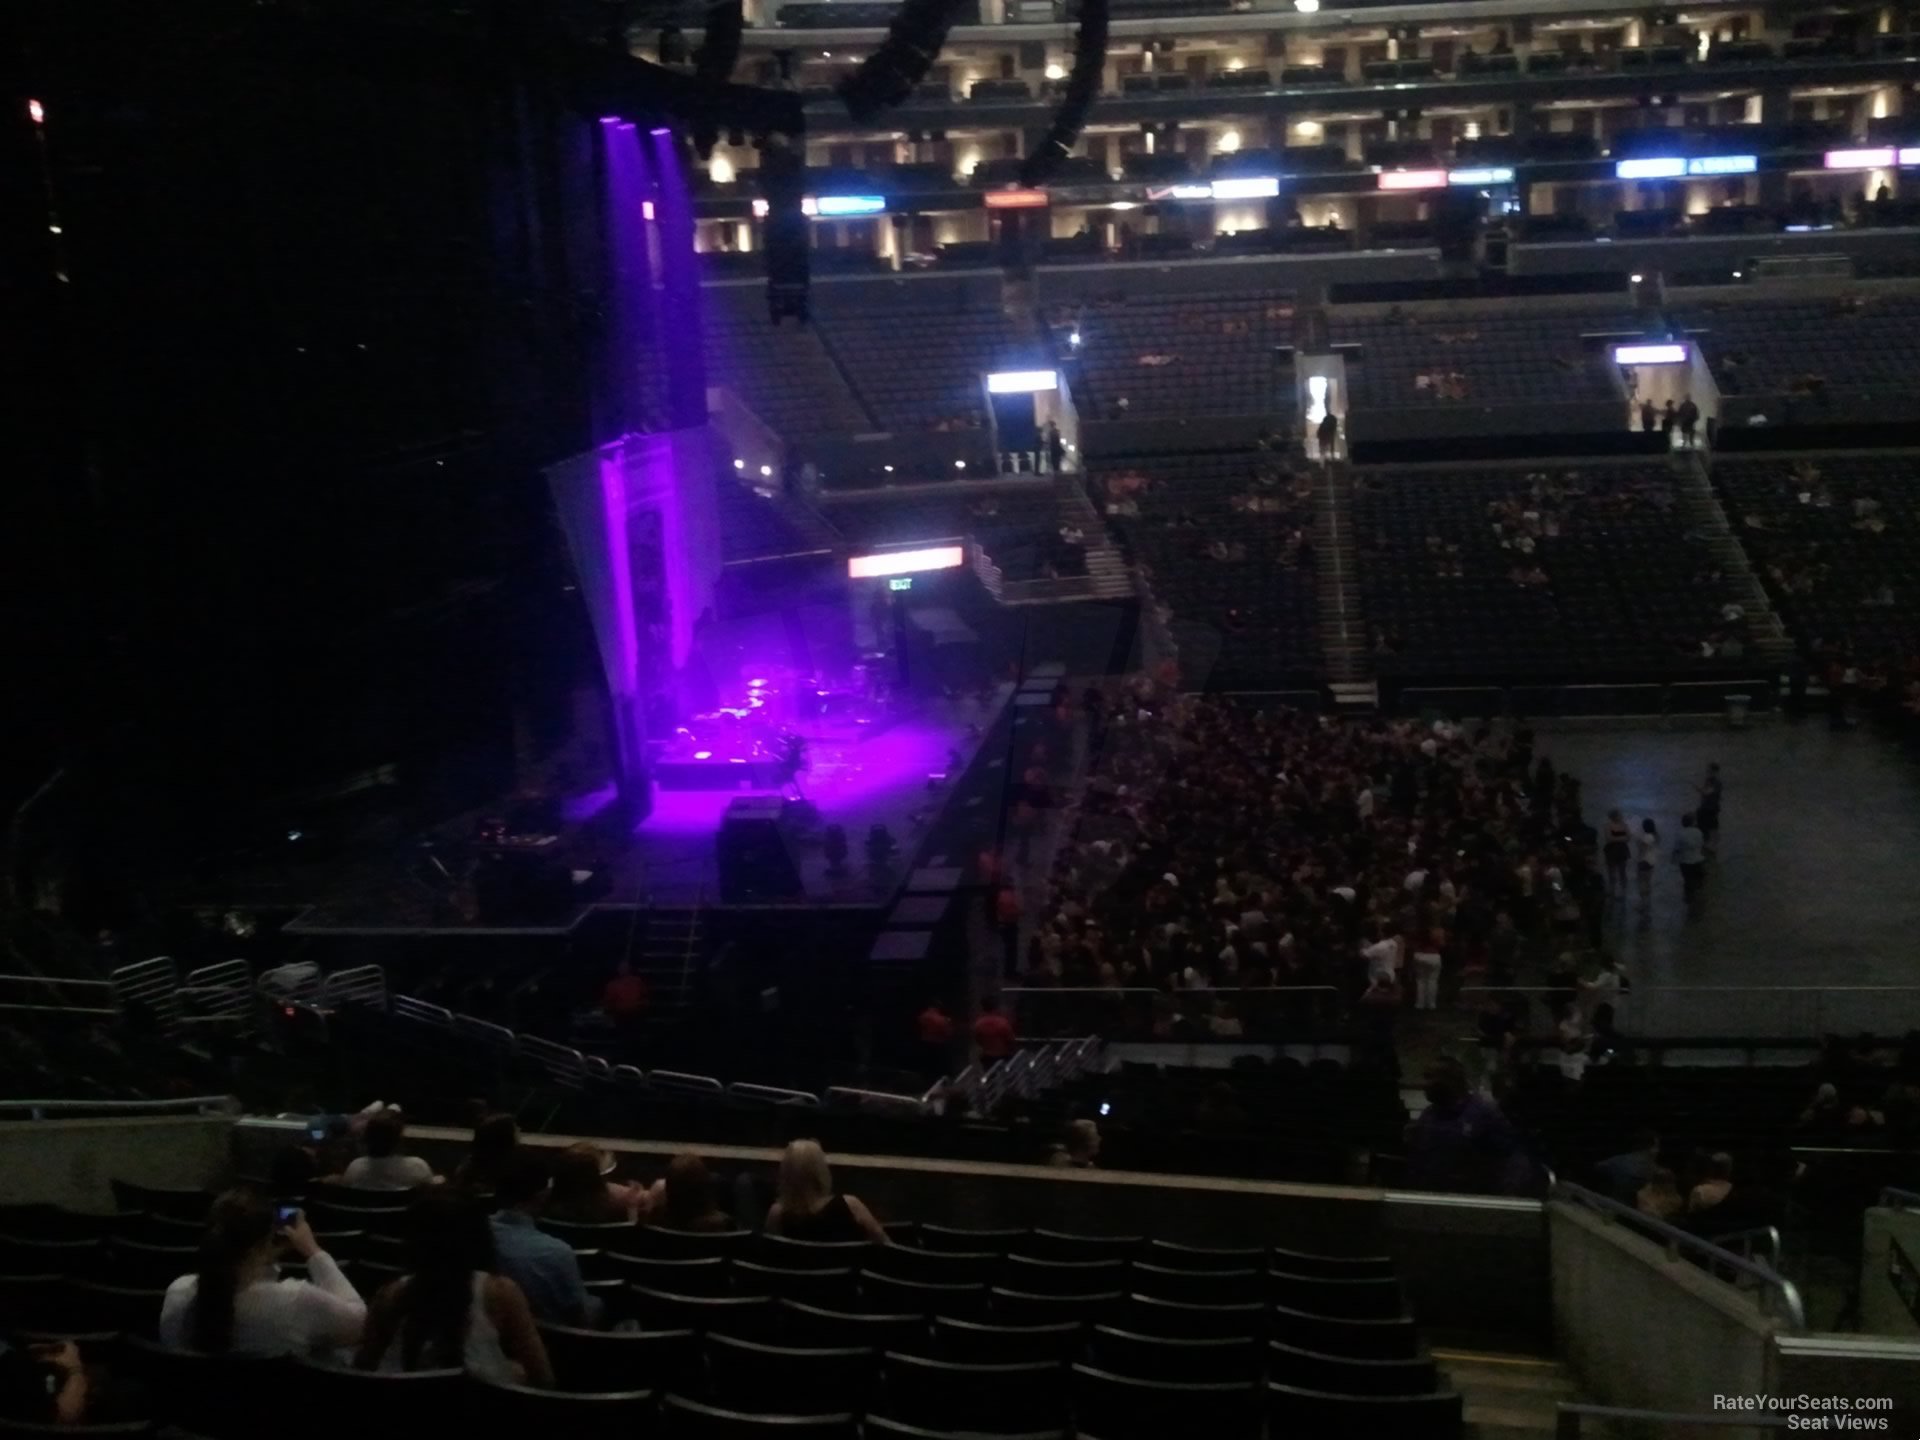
{"points": [[53, 995], [1777, 1296], [153, 985], [1785, 1012], [1143, 1012], [81, 1109], [1621, 1419], [220, 996], [1760, 1243], [356, 985]]}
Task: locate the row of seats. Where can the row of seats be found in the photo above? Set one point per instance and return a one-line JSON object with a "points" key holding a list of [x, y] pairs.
{"points": [[1776, 347], [1834, 574], [1239, 1341], [780, 372], [1261, 609], [890, 1396], [1190, 355], [1479, 358], [1627, 586], [920, 369]]}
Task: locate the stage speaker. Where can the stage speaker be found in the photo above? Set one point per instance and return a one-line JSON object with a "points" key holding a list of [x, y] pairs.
{"points": [[755, 863]]}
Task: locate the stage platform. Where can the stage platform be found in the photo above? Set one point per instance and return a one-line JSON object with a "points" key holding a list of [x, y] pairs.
{"points": [[390, 886]]}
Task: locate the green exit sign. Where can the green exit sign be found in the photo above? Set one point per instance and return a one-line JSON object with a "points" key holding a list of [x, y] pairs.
{"points": [[900, 582]]}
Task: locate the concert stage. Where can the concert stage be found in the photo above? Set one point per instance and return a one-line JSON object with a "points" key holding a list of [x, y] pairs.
{"points": [[669, 859]]}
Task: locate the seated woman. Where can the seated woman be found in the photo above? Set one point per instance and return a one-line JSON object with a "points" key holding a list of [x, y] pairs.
{"points": [[690, 1202], [235, 1303], [809, 1208], [496, 1145], [582, 1195], [450, 1312]]}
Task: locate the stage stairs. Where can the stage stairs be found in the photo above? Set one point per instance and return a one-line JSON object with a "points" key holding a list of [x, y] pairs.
{"points": [[1343, 625], [669, 957]]}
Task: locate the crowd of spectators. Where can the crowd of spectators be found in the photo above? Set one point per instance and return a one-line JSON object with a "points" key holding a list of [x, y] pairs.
{"points": [[1227, 848]]}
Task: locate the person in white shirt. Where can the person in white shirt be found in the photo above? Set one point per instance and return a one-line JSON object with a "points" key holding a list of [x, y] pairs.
{"points": [[383, 1167], [235, 1303], [1382, 957]]}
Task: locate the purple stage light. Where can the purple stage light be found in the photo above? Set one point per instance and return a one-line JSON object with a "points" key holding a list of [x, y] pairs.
{"points": [[609, 119], [660, 130]]}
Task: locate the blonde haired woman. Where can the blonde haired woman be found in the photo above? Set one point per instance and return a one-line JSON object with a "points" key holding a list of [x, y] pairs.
{"points": [[808, 1207]]}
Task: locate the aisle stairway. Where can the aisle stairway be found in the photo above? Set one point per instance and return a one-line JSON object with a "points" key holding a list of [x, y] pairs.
{"points": [[1343, 625], [668, 957], [1510, 1397], [1771, 645], [1107, 577]]}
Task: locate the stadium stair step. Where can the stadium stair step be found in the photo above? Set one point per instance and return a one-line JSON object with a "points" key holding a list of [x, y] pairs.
{"points": [[1510, 1397], [1771, 642], [1342, 623]]}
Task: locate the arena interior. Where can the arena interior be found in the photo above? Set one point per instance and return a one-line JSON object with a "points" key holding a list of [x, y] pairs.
{"points": [[1025, 718]]}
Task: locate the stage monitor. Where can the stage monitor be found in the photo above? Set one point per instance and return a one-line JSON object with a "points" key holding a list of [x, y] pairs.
{"points": [[1022, 382], [1662, 354], [906, 562]]}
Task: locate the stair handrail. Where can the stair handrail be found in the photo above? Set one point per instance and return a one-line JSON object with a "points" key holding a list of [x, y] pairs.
{"points": [[1769, 1283], [1756, 1241]]}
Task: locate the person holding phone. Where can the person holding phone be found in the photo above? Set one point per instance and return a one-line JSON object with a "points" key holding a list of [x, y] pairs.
{"points": [[43, 1384], [234, 1302]]}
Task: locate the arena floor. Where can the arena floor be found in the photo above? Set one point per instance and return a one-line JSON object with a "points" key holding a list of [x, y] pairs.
{"points": [[1814, 885]]}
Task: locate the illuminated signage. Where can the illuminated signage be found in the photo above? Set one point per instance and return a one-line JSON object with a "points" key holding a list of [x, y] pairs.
{"points": [[1670, 167], [1186, 192], [1859, 159], [906, 562], [900, 582], [835, 206], [1724, 165], [1910, 155], [1650, 354], [1022, 382], [1412, 179], [1247, 187], [1486, 175], [1016, 199]]}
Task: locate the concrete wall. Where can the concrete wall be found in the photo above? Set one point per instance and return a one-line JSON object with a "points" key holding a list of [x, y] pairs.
{"points": [[69, 1162], [1641, 1330], [1882, 1311], [1447, 1246], [1705, 252], [1855, 1368], [1065, 284]]}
